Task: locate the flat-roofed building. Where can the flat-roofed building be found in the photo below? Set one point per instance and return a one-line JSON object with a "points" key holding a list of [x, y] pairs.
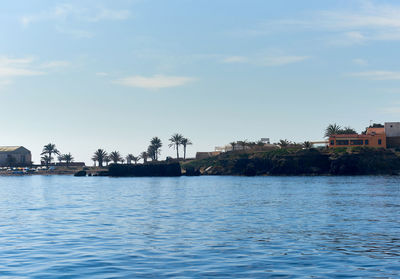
{"points": [[15, 156], [392, 131], [369, 140]]}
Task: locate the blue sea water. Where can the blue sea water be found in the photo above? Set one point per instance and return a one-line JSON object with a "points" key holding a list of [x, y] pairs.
{"points": [[199, 227]]}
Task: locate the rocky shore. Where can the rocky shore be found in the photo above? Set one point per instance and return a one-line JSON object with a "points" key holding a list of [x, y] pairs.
{"points": [[356, 161]]}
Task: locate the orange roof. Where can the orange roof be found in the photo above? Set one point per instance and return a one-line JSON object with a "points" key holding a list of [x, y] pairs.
{"points": [[377, 131]]}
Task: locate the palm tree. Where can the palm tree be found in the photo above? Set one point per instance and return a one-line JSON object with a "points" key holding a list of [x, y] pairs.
{"points": [[233, 144], [107, 160], [307, 145], [60, 158], [68, 159], [100, 156], [242, 143], [144, 156], [332, 129], [185, 142], [176, 140], [129, 158], [284, 143], [154, 148], [136, 159], [46, 159], [151, 151], [49, 150], [115, 156]]}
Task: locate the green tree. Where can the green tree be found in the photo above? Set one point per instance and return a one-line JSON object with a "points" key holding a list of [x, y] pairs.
{"points": [[242, 143], [307, 145], [332, 129], [107, 160], [60, 158], [129, 158], [67, 158], [233, 144], [46, 159], [175, 141], [284, 143], [144, 156], [155, 148], [115, 157], [185, 142], [347, 131], [49, 150], [100, 156]]}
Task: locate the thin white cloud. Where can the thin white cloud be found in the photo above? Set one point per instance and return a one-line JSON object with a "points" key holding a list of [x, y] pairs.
{"points": [[65, 12], [107, 14], [235, 59], [370, 21], [55, 64], [378, 75], [13, 67], [154, 82], [76, 33], [360, 62], [101, 74], [281, 60], [262, 60]]}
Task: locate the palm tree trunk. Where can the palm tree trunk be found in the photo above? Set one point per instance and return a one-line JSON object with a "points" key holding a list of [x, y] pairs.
{"points": [[184, 152], [177, 151]]}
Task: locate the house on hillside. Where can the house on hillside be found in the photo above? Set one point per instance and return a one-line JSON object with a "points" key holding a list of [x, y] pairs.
{"points": [[15, 156], [374, 137]]}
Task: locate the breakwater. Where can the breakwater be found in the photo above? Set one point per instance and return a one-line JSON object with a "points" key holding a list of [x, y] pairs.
{"points": [[145, 170]]}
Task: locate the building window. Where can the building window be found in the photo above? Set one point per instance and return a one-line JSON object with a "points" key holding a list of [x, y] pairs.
{"points": [[342, 142], [332, 142], [366, 142], [379, 141], [356, 142]]}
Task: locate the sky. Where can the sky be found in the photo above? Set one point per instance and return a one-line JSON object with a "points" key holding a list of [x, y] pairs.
{"points": [[95, 74]]}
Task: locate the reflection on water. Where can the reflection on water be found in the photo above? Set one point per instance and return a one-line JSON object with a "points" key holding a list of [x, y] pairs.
{"points": [[55, 226]]}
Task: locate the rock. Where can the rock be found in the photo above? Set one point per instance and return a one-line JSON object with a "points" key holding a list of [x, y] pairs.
{"points": [[80, 173]]}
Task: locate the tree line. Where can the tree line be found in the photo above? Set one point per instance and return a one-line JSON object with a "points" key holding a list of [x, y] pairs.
{"points": [[49, 150], [153, 152], [102, 157]]}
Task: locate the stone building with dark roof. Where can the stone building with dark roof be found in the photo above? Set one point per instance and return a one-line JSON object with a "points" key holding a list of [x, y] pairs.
{"points": [[15, 156]]}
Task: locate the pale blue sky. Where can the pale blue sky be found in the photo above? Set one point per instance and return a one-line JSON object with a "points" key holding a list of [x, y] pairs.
{"points": [[113, 74]]}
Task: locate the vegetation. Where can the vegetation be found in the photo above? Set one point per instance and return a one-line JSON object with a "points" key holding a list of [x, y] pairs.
{"points": [[144, 156], [175, 142], [185, 142], [291, 161], [115, 157], [334, 129], [101, 156], [307, 145], [67, 158], [154, 148], [48, 151]]}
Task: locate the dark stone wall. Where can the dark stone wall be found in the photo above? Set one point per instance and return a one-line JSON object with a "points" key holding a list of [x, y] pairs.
{"points": [[142, 170]]}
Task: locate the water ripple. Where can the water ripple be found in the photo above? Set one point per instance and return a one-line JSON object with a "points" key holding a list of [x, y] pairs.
{"points": [[200, 227]]}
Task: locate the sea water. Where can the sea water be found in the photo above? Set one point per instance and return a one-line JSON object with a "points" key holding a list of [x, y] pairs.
{"points": [[199, 227]]}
